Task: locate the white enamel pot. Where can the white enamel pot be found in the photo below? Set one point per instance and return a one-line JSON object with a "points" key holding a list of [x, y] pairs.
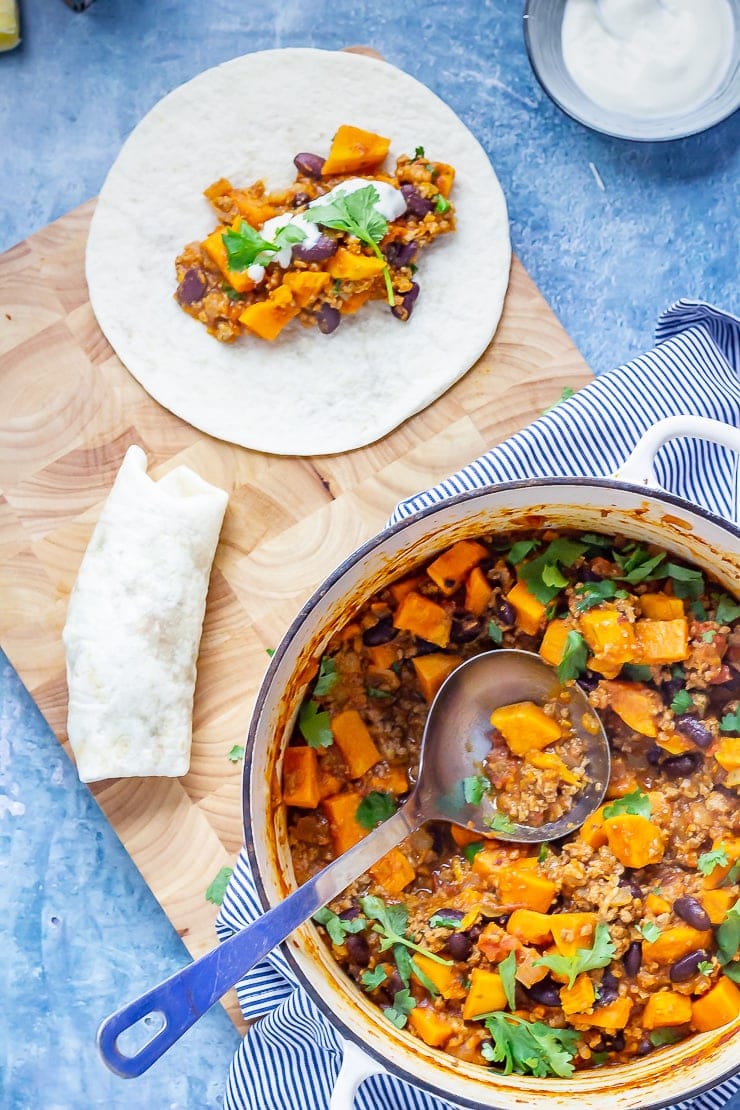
{"points": [[630, 504]]}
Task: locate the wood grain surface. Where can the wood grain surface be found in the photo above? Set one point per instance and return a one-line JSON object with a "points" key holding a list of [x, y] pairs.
{"points": [[68, 411]]}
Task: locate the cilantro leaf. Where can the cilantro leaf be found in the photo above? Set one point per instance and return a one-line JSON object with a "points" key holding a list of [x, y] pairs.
{"points": [[543, 576], [376, 692], [636, 803], [356, 213], [529, 1048], [638, 565], [565, 394], [519, 550], [728, 936], [474, 787], [315, 726], [442, 920], [595, 539], [686, 582], [217, 889], [375, 808], [337, 927], [660, 1037], [591, 594], [500, 823], [600, 954], [727, 610], [636, 672], [507, 971], [403, 1004], [244, 245], [707, 861], [732, 971], [575, 657], [704, 967], [236, 754], [543, 852], [682, 702], [731, 722], [649, 930], [372, 979], [419, 152], [390, 925], [441, 204], [328, 677], [495, 633], [470, 851]]}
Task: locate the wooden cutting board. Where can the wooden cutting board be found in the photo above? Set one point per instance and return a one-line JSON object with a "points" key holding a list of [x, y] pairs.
{"points": [[68, 412]]}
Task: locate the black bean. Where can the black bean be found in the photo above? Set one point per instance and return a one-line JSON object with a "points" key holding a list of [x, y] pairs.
{"points": [[310, 165], [608, 988], [299, 199], [588, 575], [588, 681], [403, 309], [628, 879], [465, 628], [393, 984], [680, 766], [399, 254], [415, 202], [686, 968], [324, 247], [694, 730], [191, 288], [459, 946], [505, 612], [350, 913], [692, 912], [358, 950], [670, 688], [653, 754], [328, 319], [645, 1046], [454, 915], [545, 993], [381, 633], [632, 959], [424, 647]]}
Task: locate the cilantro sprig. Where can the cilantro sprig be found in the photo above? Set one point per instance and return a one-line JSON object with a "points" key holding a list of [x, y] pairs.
{"points": [[591, 594], [356, 213], [403, 1004], [574, 658], [245, 246], [390, 924], [649, 930], [543, 575], [529, 1047], [635, 803], [315, 725], [600, 954], [327, 677], [375, 808], [707, 861], [339, 928], [731, 722]]}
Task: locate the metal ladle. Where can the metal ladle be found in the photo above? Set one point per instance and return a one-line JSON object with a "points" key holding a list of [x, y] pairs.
{"points": [[455, 743]]}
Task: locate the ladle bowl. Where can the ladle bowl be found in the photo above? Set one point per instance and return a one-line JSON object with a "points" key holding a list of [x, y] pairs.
{"points": [[456, 740]]}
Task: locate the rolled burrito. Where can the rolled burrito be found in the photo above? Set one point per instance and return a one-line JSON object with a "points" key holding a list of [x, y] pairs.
{"points": [[134, 623]]}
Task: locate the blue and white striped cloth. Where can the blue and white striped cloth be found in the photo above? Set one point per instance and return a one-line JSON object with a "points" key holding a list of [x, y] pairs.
{"points": [[290, 1059]]}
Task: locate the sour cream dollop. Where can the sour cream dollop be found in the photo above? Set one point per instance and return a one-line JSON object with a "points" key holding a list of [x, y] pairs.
{"points": [[648, 58], [391, 204]]}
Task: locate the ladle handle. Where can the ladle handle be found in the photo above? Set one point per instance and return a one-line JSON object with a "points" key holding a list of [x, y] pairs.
{"points": [[189, 993]]}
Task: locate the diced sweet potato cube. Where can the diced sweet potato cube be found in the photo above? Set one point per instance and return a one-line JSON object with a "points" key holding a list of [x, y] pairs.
{"points": [[717, 1007], [636, 704], [341, 813], [727, 753], [382, 656], [268, 318], [215, 248], [450, 569], [579, 998], [424, 618], [444, 177], [571, 931], [661, 607], [485, 995], [553, 641], [634, 840], [674, 943], [347, 265], [432, 670], [392, 780], [305, 285], [352, 737], [301, 777], [478, 592], [525, 726], [656, 905], [674, 743], [661, 642], [530, 613], [404, 586], [489, 861], [611, 638], [611, 1017], [730, 845], [354, 149], [530, 926], [496, 943], [393, 872], [443, 976], [433, 1029], [523, 887], [592, 829], [354, 302], [666, 1008], [717, 903]]}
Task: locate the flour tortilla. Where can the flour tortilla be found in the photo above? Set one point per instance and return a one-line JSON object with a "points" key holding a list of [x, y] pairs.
{"points": [[134, 623], [305, 393]]}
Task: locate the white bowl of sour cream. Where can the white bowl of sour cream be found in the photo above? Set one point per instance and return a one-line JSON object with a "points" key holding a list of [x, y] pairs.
{"points": [[638, 69]]}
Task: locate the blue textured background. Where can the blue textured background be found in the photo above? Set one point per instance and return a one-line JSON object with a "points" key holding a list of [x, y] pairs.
{"points": [[80, 932]]}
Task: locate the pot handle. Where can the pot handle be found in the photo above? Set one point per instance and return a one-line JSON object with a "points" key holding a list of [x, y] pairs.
{"points": [[638, 467], [356, 1066]]}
